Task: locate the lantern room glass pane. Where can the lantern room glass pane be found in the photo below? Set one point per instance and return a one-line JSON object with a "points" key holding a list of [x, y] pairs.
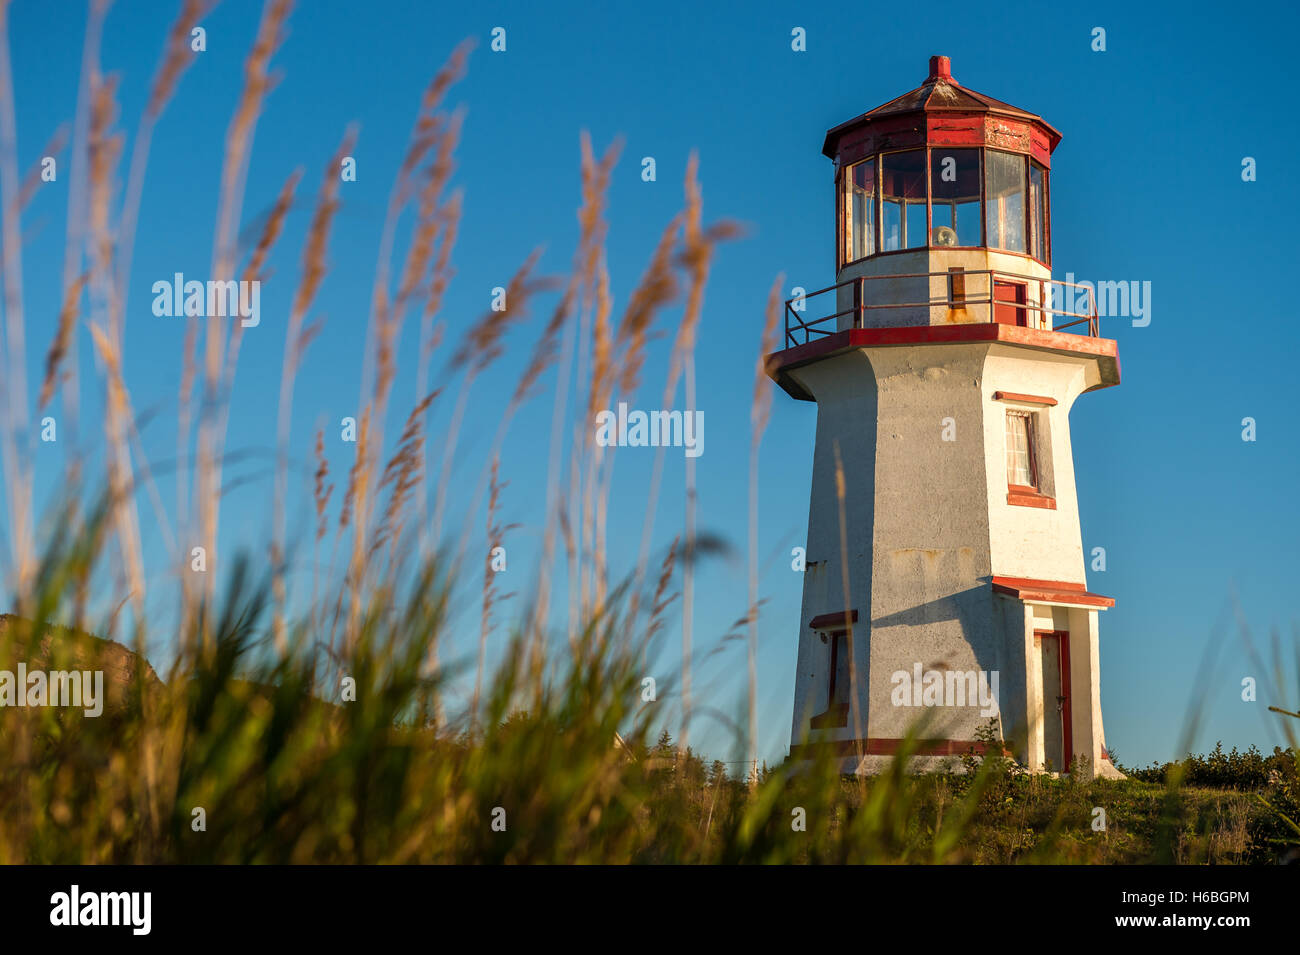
{"points": [[860, 210], [902, 196], [1004, 191], [955, 197], [1037, 212]]}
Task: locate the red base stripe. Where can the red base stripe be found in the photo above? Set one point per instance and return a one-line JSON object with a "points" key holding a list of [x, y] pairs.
{"points": [[877, 746]]}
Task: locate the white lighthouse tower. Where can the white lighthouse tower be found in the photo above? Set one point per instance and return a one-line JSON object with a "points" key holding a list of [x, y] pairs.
{"points": [[945, 577]]}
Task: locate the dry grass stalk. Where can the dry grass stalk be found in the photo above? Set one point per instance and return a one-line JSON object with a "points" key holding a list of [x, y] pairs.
{"points": [[658, 287], [401, 476], [595, 182], [14, 444], [760, 410], [105, 149], [254, 271], [431, 338], [495, 538], [438, 134], [355, 500], [177, 57], [355, 477], [661, 602], [431, 221], [698, 240], [429, 228], [423, 139], [254, 268], [480, 347], [586, 449], [599, 569], [177, 54], [60, 343], [594, 346], [591, 241], [321, 493], [120, 480], [696, 256], [482, 343], [295, 347], [32, 181], [75, 229], [257, 83], [436, 228]]}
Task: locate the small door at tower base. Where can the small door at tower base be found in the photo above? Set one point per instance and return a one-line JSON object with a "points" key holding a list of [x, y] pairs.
{"points": [[1054, 654]]}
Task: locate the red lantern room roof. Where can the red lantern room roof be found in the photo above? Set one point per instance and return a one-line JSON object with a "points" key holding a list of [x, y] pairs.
{"points": [[941, 112]]}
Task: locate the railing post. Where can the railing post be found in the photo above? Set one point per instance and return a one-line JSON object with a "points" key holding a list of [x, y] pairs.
{"points": [[858, 321]]}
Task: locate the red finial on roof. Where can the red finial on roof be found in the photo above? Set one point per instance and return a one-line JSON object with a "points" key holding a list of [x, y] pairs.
{"points": [[941, 69]]}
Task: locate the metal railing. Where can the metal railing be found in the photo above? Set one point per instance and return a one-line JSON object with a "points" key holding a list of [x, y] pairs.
{"points": [[954, 296]]}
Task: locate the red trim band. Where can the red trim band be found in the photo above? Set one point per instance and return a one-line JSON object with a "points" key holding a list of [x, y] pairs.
{"points": [[1027, 399], [1049, 591], [1028, 497], [835, 717], [827, 621], [1105, 349], [876, 746]]}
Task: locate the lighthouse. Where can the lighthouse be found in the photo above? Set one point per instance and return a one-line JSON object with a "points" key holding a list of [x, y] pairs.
{"points": [[945, 594]]}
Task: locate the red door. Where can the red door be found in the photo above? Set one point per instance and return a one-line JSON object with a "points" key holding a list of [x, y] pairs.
{"points": [[1008, 303]]}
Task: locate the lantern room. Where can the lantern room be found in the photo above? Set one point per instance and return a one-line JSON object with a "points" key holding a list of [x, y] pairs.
{"points": [[943, 211]]}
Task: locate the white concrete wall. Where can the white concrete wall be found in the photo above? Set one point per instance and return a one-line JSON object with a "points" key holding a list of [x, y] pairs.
{"points": [[1024, 541], [1021, 679], [928, 524], [930, 533], [885, 286], [847, 413]]}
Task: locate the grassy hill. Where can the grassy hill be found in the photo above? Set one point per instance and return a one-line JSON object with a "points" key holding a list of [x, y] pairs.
{"points": [[52, 647], [286, 769]]}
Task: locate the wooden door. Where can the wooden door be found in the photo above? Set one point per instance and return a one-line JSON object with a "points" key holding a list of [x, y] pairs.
{"points": [[1054, 653]]}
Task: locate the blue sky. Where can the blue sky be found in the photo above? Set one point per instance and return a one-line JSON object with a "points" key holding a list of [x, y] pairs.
{"points": [[1146, 186]]}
